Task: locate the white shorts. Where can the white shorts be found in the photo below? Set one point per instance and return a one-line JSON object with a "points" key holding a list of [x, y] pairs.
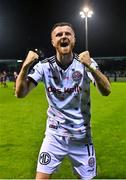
{"points": [[55, 147]]}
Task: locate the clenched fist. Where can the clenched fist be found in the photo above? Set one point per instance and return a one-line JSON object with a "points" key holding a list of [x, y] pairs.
{"points": [[31, 57], [85, 58]]}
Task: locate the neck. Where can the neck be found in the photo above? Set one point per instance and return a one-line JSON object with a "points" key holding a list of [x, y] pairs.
{"points": [[65, 60]]}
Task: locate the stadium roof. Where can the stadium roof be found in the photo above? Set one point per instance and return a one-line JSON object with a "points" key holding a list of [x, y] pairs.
{"points": [[10, 60], [115, 58]]}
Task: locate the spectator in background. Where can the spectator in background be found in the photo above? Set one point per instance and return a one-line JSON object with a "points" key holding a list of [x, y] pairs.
{"points": [[4, 79], [15, 77], [1, 79]]}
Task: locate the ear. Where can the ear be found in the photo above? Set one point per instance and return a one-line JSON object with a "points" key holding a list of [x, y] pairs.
{"points": [[52, 42], [74, 38]]}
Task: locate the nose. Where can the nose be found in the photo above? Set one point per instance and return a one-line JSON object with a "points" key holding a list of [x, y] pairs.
{"points": [[64, 35]]}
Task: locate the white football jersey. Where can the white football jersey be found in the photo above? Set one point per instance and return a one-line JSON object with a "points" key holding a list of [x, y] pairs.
{"points": [[68, 95]]}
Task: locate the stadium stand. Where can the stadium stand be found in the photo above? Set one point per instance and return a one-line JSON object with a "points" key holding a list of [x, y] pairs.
{"points": [[113, 67]]}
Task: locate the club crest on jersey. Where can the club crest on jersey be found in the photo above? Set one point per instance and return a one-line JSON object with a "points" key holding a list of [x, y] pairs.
{"points": [[91, 161], [44, 158], [77, 76]]}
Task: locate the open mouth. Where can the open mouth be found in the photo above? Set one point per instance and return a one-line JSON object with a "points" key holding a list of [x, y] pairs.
{"points": [[64, 43]]}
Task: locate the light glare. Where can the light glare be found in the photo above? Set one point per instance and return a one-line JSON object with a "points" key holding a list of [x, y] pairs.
{"points": [[86, 13], [86, 9]]}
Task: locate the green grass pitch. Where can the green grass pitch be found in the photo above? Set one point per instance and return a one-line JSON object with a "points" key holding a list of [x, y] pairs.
{"points": [[22, 126]]}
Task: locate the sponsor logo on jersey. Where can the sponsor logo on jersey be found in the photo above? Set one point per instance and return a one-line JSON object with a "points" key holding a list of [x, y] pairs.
{"points": [[44, 158], [76, 88]]}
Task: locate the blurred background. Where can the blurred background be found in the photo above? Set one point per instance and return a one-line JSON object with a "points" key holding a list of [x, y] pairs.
{"points": [[100, 27], [26, 25]]}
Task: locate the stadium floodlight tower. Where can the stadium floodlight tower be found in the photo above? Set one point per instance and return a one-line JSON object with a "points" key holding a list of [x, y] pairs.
{"points": [[85, 14]]}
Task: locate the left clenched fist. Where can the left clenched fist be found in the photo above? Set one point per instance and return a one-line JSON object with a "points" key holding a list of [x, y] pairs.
{"points": [[85, 58]]}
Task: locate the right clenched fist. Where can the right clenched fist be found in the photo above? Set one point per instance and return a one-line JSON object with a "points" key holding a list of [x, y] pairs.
{"points": [[31, 57]]}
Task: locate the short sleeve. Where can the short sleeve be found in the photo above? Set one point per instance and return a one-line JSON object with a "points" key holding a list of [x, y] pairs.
{"points": [[36, 73]]}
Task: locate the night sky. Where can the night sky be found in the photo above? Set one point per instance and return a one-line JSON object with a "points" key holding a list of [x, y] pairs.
{"points": [[26, 24]]}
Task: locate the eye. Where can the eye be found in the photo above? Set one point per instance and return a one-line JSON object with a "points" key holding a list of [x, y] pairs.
{"points": [[59, 34], [68, 34]]}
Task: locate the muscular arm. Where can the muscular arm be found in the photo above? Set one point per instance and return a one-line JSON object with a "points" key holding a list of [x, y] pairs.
{"points": [[101, 80], [23, 85]]}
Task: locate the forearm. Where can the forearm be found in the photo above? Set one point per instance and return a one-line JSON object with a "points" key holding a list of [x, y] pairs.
{"points": [[22, 83], [102, 82], [23, 86]]}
